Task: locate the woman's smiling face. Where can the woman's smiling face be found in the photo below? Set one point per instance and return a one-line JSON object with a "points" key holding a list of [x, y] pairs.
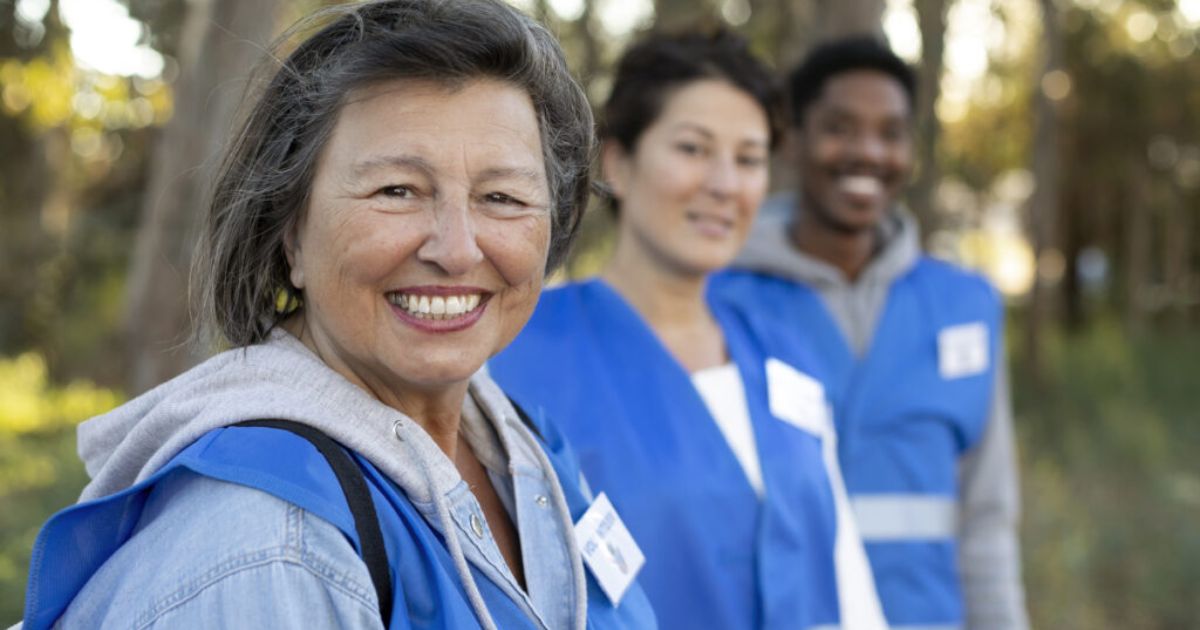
{"points": [[423, 246], [691, 186]]}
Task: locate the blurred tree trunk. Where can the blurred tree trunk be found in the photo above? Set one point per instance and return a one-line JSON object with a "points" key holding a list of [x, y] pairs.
{"points": [[26, 178], [1138, 234], [585, 31], [781, 30], [1044, 202], [1176, 238], [931, 17], [677, 14], [836, 18], [221, 41]]}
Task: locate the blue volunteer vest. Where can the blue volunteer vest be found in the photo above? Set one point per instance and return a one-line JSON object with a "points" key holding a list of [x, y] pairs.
{"points": [[428, 594], [905, 412], [716, 555]]}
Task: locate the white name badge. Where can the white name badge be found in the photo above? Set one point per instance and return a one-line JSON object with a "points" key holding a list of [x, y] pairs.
{"points": [[608, 548], [797, 398], [963, 350]]}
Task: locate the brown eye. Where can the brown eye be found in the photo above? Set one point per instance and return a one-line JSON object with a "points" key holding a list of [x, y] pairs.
{"points": [[503, 198], [395, 192]]}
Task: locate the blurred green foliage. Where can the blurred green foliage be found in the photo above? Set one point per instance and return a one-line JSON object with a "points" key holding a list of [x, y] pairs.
{"points": [[1111, 481], [39, 471]]}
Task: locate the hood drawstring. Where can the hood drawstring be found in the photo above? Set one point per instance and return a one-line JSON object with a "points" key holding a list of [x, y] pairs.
{"points": [[577, 573], [450, 532]]}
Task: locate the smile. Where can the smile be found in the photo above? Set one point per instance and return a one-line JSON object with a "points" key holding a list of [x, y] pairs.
{"points": [[864, 185], [711, 225], [436, 307]]}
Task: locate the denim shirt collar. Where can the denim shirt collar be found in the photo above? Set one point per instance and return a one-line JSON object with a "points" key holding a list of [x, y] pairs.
{"points": [[528, 487]]}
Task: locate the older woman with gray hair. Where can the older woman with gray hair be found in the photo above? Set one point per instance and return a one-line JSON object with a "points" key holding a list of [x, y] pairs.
{"points": [[381, 226]]}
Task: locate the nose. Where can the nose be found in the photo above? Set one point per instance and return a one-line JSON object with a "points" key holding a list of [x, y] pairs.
{"points": [[451, 243], [723, 177], [869, 147]]}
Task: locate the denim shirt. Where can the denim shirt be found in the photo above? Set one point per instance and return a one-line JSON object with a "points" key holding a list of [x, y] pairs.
{"points": [[227, 555]]}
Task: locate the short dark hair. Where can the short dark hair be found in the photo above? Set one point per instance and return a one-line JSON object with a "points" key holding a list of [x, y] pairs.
{"points": [[654, 67], [860, 52], [241, 273]]}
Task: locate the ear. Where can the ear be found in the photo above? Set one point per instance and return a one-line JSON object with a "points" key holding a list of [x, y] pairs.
{"points": [[291, 249], [616, 167]]}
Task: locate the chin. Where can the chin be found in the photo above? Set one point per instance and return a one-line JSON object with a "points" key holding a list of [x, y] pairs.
{"points": [[852, 220], [440, 375]]}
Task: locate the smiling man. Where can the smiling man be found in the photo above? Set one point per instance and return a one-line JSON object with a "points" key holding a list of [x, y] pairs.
{"points": [[912, 346]]}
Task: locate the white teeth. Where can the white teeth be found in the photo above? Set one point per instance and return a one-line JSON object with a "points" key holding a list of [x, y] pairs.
{"points": [[436, 307], [861, 185]]}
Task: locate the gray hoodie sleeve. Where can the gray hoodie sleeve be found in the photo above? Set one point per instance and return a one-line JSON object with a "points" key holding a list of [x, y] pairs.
{"points": [[989, 553]]}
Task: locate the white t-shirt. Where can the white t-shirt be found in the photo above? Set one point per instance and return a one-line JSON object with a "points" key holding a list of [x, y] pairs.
{"points": [[722, 390]]}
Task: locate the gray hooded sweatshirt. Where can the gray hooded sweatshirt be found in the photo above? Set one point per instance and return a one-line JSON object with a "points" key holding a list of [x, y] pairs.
{"points": [[989, 503], [281, 378]]}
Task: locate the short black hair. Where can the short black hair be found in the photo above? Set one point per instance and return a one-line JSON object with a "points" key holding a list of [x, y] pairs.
{"points": [[829, 59], [653, 68]]}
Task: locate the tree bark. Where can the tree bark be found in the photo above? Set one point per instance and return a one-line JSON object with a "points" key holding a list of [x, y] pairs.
{"points": [[1138, 252], [221, 41], [931, 17], [678, 14], [1176, 255], [1043, 203], [836, 18]]}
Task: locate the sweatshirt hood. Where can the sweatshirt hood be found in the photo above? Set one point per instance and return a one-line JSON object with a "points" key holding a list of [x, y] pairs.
{"points": [[769, 249], [277, 379], [282, 379]]}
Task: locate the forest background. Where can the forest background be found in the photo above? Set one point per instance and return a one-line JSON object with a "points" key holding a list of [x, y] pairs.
{"points": [[1059, 151]]}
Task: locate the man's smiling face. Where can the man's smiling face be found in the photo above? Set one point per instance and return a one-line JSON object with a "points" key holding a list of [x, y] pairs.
{"points": [[854, 149]]}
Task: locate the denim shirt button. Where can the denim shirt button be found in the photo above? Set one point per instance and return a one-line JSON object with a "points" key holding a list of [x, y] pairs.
{"points": [[476, 525], [541, 500]]}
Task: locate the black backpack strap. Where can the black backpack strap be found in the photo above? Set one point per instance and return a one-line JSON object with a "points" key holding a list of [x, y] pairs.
{"points": [[358, 497], [526, 419]]}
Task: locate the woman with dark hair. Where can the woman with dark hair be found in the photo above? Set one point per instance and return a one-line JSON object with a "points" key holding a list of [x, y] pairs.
{"points": [[381, 226], [715, 444]]}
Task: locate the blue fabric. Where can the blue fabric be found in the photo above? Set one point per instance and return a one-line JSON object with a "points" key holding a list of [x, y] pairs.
{"points": [[716, 556], [428, 593], [902, 427]]}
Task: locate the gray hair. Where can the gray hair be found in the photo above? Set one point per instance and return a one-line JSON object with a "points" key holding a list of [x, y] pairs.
{"points": [[241, 273]]}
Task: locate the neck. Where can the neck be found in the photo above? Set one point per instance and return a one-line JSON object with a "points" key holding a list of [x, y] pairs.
{"points": [[439, 413], [671, 301], [666, 298], [436, 409], [848, 251]]}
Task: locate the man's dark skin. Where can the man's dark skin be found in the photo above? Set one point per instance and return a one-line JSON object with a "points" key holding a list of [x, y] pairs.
{"points": [[853, 149]]}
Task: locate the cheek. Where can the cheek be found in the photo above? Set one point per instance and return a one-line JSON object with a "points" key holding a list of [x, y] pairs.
{"points": [[664, 175], [364, 250], [755, 189], [825, 153], [518, 249]]}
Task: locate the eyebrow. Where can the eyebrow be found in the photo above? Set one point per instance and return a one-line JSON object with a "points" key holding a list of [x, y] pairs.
{"points": [[530, 175], [709, 135], [423, 166], [408, 162], [847, 112]]}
